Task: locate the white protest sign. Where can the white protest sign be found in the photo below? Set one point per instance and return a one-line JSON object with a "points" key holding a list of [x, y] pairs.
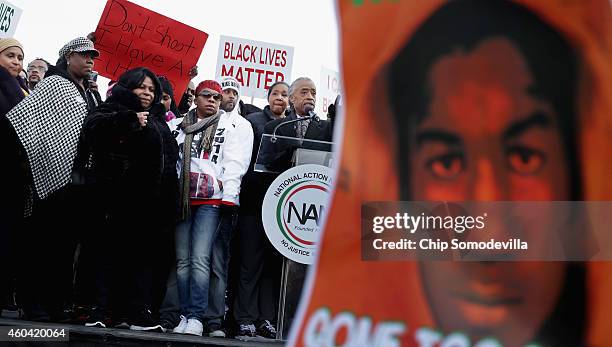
{"points": [[329, 88], [9, 17], [256, 65]]}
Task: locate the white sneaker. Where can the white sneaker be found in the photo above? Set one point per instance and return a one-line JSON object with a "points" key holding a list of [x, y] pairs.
{"points": [[194, 327], [180, 329]]}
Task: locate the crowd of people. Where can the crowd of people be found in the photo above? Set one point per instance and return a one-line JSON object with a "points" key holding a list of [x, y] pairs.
{"points": [[138, 212]]}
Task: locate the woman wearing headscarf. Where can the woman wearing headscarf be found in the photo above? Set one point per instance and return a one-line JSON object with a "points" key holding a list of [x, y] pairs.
{"points": [[133, 159], [47, 124], [12, 91]]}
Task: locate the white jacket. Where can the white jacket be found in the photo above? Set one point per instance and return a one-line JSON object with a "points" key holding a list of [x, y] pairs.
{"points": [[228, 161]]}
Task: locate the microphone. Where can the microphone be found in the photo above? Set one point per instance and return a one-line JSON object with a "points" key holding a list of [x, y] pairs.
{"points": [[310, 112], [93, 76], [310, 115], [313, 116]]}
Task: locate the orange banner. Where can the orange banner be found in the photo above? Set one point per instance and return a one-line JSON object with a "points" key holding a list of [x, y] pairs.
{"points": [[466, 101]]}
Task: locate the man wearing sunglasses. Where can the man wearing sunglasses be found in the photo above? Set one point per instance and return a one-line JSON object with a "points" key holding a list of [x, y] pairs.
{"points": [[214, 155]]}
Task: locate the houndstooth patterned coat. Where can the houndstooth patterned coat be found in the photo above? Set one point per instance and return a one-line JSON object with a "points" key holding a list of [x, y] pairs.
{"points": [[48, 124]]}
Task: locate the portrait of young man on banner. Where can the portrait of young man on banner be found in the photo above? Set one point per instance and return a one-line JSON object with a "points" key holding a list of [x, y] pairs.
{"points": [[471, 100], [485, 114]]}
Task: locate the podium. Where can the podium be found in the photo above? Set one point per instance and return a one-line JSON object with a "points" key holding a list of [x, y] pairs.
{"points": [[278, 154]]}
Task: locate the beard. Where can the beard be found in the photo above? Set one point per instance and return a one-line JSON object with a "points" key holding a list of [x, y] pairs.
{"points": [[229, 106]]}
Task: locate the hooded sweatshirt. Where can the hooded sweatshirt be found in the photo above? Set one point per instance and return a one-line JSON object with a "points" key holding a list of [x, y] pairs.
{"points": [[227, 161]]}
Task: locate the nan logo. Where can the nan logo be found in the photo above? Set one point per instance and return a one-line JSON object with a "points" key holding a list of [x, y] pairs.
{"points": [[294, 209]]}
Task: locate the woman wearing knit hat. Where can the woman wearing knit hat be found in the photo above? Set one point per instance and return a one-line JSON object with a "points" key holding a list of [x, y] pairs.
{"points": [[47, 125], [12, 91], [215, 154], [11, 64]]}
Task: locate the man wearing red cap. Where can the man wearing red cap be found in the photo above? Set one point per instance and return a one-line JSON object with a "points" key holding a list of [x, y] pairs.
{"points": [[214, 157]]}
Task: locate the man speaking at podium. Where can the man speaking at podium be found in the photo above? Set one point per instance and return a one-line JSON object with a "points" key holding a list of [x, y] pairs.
{"points": [[302, 98]]}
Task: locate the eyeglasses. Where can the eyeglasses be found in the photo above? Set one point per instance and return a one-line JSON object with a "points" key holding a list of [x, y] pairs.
{"points": [[38, 68], [208, 94]]}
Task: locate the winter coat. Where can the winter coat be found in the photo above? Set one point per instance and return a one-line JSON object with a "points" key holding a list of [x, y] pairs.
{"points": [[11, 91], [247, 109], [255, 184], [279, 155], [47, 124], [15, 170], [132, 168]]}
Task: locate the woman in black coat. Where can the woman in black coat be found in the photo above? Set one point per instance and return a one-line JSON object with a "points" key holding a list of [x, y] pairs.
{"points": [[12, 91], [132, 159], [12, 87], [47, 124]]}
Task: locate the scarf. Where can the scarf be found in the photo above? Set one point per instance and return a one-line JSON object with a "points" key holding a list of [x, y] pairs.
{"points": [[190, 126], [48, 123]]}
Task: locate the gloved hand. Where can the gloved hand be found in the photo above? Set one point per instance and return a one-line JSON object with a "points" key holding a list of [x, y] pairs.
{"points": [[228, 215], [228, 210]]}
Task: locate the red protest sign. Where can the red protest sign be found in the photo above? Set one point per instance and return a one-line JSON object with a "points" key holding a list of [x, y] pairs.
{"points": [[130, 36]]}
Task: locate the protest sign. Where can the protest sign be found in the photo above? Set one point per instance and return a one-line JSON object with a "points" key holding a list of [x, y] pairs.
{"points": [[256, 65], [9, 17], [130, 36], [329, 89]]}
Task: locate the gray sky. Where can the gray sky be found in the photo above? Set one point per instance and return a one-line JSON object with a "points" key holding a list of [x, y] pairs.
{"points": [[309, 26]]}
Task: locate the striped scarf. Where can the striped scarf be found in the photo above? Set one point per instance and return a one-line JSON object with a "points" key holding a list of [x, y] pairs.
{"points": [[190, 126]]}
